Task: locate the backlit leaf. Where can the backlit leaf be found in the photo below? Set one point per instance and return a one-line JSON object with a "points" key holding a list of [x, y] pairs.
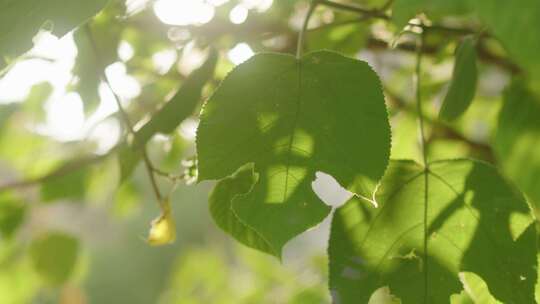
{"points": [[105, 32], [66, 184], [517, 142], [54, 256], [20, 20], [12, 211], [128, 159], [292, 118], [182, 104], [512, 22], [221, 209], [429, 228], [463, 84]]}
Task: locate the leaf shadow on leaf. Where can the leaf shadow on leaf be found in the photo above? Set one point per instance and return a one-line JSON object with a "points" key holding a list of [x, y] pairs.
{"points": [[291, 119], [475, 223]]}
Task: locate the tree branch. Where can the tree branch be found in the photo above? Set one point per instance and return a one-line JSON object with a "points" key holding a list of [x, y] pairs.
{"points": [[62, 171]]}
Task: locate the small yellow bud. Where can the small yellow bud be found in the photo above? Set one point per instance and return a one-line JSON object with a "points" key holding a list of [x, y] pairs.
{"points": [[163, 230]]}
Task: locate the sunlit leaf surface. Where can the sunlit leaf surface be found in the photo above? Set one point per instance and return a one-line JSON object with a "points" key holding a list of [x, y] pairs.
{"points": [[429, 228], [292, 118], [517, 141]]}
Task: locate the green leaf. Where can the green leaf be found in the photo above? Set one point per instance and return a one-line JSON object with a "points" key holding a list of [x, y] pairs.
{"points": [[476, 289], [347, 39], [513, 22], [383, 296], [503, 18], [128, 159], [461, 298], [12, 211], [292, 118], [67, 183], [22, 19], [463, 84], [221, 210], [54, 256], [182, 104], [517, 140], [431, 227], [167, 118], [405, 136], [105, 30], [127, 199]]}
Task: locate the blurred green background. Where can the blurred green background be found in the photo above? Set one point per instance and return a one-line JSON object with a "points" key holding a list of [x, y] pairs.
{"points": [[73, 223]]}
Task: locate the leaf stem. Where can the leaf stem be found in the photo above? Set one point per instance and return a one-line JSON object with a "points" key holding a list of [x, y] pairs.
{"points": [[418, 85], [125, 117], [301, 35]]}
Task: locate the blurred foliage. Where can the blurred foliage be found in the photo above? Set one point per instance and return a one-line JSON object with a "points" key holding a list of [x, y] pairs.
{"points": [[76, 203], [204, 275]]}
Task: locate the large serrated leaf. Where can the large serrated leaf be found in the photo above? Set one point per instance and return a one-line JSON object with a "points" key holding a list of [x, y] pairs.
{"points": [[20, 20], [431, 228], [463, 84], [292, 118]]}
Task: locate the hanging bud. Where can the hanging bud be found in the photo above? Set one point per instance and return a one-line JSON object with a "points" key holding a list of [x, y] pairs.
{"points": [[163, 230]]}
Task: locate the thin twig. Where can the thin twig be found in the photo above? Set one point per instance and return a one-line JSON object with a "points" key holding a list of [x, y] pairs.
{"points": [[301, 35], [418, 80], [173, 177], [125, 117], [419, 109], [60, 172]]}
